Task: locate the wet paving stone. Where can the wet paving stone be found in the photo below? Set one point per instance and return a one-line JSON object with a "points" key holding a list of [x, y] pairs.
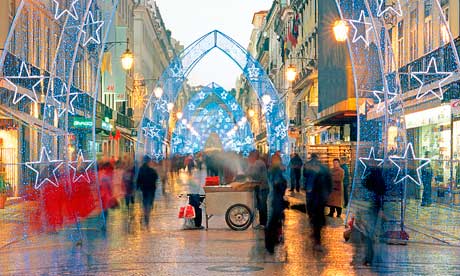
{"points": [[164, 248]]}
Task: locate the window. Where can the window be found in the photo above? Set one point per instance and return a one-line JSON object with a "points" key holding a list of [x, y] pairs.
{"points": [[445, 37], [413, 35], [36, 39], [428, 34], [401, 43]]}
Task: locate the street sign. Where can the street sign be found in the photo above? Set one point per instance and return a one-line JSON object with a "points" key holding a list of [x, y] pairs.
{"points": [[455, 105]]}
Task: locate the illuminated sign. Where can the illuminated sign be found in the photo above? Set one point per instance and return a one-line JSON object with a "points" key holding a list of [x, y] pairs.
{"points": [[81, 122]]}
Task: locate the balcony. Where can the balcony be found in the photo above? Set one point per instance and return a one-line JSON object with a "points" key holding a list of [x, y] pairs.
{"points": [[124, 121]]}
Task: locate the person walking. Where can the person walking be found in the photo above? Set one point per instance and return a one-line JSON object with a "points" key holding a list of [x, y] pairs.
{"points": [[346, 180], [321, 186], [296, 168], [128, 183], [427, 177], [310, 169], [146, 181], [257, 171], [374, 182], [335, 200], [278, 185]]}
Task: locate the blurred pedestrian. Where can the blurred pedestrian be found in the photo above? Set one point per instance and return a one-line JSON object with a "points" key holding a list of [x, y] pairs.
{"points": [[335, 200], [278, 186], [296, 168], [346, 180], [321, 181], [146, 181], [128, 183], [427, 178], [189, 163], [311, 168], [257, 171], [374, 182], [105, 174]]}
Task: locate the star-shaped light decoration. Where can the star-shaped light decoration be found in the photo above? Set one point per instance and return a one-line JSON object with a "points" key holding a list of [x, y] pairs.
{"points": [[248, 140], [395, 8], [253, 72], [25, 74], [370, 161], [91, 30], [46, 171], [432, 73], [191, 107], [158, 156], [60, 97], [201, 95], [163, 105], [228, 120], [358, 25], [234, 106], [81, 167], [224, 95], [409, 166], [380, 95], [176, 70], [281, 130], [176, 140], [70, 10], [268, 108], [151, 131]]}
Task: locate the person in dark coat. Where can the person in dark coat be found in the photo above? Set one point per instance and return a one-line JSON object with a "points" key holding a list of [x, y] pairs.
{"points": [[128, 183], [296, 168], [278, 185], [335, 200], [317, 199], [146, 181], [346, 180], [427, 177]]}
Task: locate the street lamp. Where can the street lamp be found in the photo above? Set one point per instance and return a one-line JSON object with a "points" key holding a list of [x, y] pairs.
{"points": [[266, 99], [251, 113], [158, 91], [127, 60], [340, 29], [179, 115], [291, 73]]}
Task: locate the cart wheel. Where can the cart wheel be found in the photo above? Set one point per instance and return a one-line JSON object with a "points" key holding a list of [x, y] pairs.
{"points": [[239, 217]]}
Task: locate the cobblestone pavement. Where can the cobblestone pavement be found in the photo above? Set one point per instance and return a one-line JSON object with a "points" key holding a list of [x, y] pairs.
{"points": [[129, 248]]}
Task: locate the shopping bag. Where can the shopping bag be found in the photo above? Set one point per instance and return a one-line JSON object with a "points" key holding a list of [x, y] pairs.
{"points": [[211, 181], [181, 212], [189, 212]]}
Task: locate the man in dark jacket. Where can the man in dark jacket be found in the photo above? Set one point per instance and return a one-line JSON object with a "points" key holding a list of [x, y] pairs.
{"points": [[296, 168], [146, 182], [346, 180]]}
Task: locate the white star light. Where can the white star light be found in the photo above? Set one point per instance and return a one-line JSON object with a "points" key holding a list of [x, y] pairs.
{"points": [[63, 94], [191, 107], [268, 108], [176, 140], [234, 106], [369, 160], [420, 77], [367, 27], [151, 131], [163, 105], [176, 70], [224, 95], [253, 72], [248, 140], [281, 130], [70, 10], [23, 70], [201, 95], [81, 163], [220, 112], [396, 8], [43, 175], [408, 169], [89, 27]]}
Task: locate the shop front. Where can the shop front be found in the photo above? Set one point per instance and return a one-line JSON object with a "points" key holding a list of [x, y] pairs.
{"points": [[9, 148], [435, 134]]}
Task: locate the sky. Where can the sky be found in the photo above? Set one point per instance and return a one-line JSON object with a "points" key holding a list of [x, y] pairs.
{"points": [[188, 20]]}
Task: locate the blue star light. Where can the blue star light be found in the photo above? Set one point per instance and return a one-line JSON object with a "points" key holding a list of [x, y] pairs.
{"points": [[70, 10], [151, 131], [370, 161], [43, 173], [420, 77], [361, 22], [61, 97], [81, 168], [407, 165], [91, 30]]}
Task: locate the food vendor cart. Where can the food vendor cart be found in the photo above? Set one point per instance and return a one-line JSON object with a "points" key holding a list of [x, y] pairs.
{"points": [[235, 201]]}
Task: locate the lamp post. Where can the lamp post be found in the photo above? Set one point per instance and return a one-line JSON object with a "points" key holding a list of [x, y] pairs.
{"points": [[127, 58], [340, 29]]}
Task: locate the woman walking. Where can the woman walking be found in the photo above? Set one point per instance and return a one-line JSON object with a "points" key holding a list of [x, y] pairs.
{"points": [[335, 200]]}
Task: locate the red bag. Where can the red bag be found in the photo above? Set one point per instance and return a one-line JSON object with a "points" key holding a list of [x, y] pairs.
{"points": [[211, 181], [189, 212], [181, 212]]}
